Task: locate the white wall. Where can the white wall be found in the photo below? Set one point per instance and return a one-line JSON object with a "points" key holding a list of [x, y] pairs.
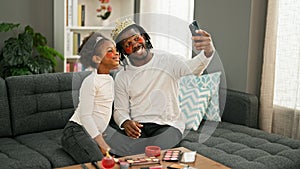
{"points": [[237, 27]]}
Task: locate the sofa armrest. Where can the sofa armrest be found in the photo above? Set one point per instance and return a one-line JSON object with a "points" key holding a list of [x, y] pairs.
{"points": [[241, 108]]}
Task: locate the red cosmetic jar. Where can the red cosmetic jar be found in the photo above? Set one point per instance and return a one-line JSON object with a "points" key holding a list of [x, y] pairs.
{"points": [[152, 151]]}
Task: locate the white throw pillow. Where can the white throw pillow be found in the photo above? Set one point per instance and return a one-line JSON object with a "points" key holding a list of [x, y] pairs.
{"points": [[193, 104]]}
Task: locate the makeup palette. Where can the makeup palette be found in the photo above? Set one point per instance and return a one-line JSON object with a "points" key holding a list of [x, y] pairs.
{"points": [[172, 155], [141, 161]]}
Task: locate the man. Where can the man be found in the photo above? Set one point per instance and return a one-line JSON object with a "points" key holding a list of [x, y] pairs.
{"points": [[146, 107]]}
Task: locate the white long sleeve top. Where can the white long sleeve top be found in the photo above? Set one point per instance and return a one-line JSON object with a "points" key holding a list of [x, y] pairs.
{"points": [[95, 103], [149, 93]]}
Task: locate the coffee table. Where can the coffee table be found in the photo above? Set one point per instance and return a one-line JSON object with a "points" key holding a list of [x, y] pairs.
{"points": [[200, 162]]}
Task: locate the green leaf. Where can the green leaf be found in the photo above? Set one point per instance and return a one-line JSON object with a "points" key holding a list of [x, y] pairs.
{"points": [[46, 54], [29, 29], [5, 27], [11, 52], [40, 65], [46, 68], [17, 50], [40, 40], [55, 53], [49, 54], [26, 40], [17, 71]]}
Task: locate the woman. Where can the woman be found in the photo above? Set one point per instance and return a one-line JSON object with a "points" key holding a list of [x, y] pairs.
{"points": [[83, 134]]}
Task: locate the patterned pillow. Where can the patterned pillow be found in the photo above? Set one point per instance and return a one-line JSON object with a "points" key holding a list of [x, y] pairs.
{"points": [[211, 81], [193, 103]]}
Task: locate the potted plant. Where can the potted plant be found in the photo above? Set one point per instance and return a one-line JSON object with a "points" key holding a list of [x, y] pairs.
{"points": [[26, 53]]}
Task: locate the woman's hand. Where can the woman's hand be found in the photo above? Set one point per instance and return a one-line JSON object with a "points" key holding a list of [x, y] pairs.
{"points": [[104, 147]]}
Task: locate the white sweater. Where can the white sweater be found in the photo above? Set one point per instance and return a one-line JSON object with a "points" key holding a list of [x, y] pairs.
{"points": [[95, 103], [152, 89]]}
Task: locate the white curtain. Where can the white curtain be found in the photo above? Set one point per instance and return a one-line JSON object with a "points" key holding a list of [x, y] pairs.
{"points": [[167, 23], [280, 90]]}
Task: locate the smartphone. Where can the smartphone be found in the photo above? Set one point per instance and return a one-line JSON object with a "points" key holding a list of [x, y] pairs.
{"points": [[193, 27]]}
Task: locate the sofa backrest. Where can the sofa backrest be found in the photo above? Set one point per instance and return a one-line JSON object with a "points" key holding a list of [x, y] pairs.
{"points": [[44, 101], [241, 108], [5, 125]]}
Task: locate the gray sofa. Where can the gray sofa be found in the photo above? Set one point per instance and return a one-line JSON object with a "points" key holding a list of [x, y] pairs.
{"points": [[35, 108]]}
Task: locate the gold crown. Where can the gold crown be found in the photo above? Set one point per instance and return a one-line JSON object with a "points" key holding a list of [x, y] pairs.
{"points": [[120, 26]]}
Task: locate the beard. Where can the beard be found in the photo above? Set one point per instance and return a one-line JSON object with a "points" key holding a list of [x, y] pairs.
{"points": [[139, 53]]}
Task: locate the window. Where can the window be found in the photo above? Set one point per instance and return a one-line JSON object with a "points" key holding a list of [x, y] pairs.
{"points": [[167, 23], [287, 73]]}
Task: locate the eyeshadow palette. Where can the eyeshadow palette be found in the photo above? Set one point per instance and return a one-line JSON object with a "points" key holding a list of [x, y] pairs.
{"points": [[172, 155], [141, 161]]}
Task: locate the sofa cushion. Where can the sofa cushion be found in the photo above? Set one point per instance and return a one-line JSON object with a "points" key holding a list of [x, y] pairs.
{"points": [[193, 102], [242, 147], [5, 127], [14, 155], [212, 82], [48, 143], [44, 101]]}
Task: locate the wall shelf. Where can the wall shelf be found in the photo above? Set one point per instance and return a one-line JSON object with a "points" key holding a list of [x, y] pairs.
{"points": [[89, 28]]}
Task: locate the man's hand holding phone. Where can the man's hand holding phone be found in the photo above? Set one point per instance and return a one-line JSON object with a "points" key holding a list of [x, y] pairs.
{"points": [[194, 27], [202, 39]]}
